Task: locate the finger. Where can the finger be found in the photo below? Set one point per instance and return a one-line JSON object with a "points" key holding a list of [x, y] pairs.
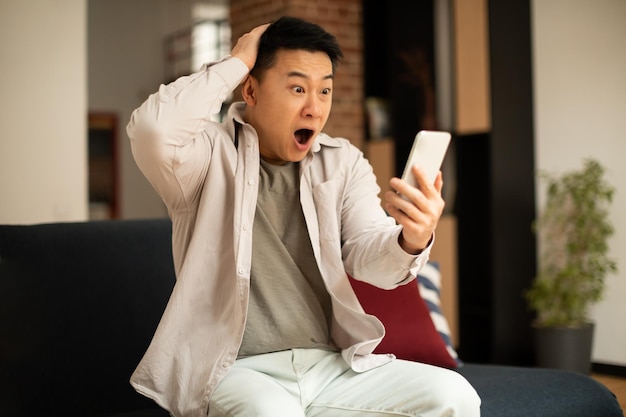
{"points": [[439, 182], [412, 194], [409, 208], [247, 45], [424, 184], [258, 31], [428, 189], [401, 217]]}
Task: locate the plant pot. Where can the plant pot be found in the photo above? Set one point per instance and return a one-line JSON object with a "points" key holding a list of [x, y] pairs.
{"points": [[567, 348]]}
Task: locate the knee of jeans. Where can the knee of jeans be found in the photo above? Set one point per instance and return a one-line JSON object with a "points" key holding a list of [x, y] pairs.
{"points": [[458, 397]]}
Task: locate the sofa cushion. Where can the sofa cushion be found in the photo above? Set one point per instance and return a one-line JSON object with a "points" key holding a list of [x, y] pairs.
{"points": [[410, 331], [509, 391]]}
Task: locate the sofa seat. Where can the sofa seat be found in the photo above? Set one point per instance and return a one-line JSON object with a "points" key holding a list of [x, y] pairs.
{"points": [[509, 391]]}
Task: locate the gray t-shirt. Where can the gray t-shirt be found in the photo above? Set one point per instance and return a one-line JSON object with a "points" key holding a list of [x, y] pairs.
{"points": [[289, 305]]}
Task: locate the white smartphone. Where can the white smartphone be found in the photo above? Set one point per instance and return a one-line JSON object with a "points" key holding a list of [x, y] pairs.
{"points": [[429, 149]]}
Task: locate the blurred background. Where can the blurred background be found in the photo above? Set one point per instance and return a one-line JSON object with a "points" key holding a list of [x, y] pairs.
{"points": [[522, 85]]}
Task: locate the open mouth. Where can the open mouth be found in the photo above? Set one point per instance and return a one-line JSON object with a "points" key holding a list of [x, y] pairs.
{"points": [[303, 135]]}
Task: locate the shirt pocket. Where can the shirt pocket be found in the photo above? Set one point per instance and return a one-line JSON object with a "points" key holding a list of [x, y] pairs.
{"points": [[328, 199]]}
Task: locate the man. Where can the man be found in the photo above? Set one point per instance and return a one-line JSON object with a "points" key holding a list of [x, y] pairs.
{"points": [[268, 215]]}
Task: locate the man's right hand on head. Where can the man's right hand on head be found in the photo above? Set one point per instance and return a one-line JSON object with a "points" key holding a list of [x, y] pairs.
{"points": [[248, 45]]}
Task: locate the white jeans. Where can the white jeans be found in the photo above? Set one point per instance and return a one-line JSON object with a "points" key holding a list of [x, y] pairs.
{"points": [[311, 382]]}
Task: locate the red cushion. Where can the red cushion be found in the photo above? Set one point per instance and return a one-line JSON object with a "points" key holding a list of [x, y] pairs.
{"points": [[410, 332]]}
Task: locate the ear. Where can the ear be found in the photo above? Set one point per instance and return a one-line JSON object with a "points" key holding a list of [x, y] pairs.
{"points": [[248, 91]]}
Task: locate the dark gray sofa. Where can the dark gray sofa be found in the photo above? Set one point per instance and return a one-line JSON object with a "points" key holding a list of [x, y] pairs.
{"points": [[79, 303]]}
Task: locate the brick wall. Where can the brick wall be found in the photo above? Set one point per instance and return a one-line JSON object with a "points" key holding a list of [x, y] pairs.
{"points": [[342, 18]]}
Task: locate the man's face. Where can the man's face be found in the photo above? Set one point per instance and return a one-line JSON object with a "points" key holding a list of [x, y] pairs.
{"points": [[290, 105]]}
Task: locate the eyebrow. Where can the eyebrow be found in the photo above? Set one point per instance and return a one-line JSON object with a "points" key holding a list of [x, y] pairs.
{"points": [[303, 75]]}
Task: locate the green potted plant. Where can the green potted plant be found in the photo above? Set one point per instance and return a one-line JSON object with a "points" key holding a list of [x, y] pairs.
{"points": [[572, 230]]}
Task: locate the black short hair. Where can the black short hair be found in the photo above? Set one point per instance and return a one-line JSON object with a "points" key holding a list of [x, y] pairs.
{"points": [[294, 33]]}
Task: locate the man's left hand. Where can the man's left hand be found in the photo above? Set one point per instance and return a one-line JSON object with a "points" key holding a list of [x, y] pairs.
{"points": [[419, 212]]}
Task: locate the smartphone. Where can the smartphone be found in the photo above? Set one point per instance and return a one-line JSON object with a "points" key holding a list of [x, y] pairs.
{"points": [[429, 149]]}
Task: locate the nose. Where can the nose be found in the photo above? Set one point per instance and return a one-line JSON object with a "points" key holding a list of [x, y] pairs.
{"points": [[313, 107]]}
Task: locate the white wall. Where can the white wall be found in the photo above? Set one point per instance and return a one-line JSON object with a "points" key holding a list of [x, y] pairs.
{"points": [[580, 111], [125, 65], [43, 156]]}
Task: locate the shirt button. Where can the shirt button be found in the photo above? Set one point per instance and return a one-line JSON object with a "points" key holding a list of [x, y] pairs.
{"points": [[240, 271], [251, 182], [245, 227]]}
